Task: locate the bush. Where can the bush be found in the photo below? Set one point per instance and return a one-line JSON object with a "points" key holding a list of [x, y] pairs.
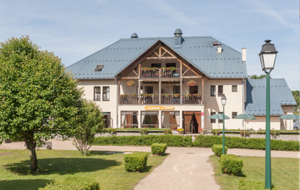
{"points": [[170, 140], [158, 148], [74, 183], [231, 164], [136, 161], [218, 149], [250, 143], [249, 185]]}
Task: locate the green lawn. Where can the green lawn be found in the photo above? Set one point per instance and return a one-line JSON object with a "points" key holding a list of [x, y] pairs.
{"points": [[285, 172], [108, 170]]}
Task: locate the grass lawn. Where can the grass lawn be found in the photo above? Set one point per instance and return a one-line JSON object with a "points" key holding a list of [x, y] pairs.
{"points": [[107, 169], [285, 172]]}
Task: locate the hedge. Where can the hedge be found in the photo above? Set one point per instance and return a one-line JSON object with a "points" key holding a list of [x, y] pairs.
{"points": [[158, 148], [249, 185], [249, 143], [74, 183], [218, 149], [231, 164], [146, 140], [136, 161], [200, 141]]}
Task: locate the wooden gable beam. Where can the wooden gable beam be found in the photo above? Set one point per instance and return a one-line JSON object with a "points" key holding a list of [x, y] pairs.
{"points": [[190, 68]]}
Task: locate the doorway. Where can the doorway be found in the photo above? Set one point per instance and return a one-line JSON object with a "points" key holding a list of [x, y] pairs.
{"points": [[191, 121]]}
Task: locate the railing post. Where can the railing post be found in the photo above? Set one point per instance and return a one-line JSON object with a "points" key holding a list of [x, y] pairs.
{"points": [[159, 88], [139, 93], [181, 91]]}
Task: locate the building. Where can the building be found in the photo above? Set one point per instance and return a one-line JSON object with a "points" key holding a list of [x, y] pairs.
{"points": [[176, 82]]}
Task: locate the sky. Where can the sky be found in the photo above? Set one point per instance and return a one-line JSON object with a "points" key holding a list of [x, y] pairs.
{"points": [[74, 29]]}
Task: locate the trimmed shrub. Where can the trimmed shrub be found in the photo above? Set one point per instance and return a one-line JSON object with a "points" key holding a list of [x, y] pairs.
{"points": [[231, 164], [158, 148], [218, 149], [250, 143], [74, 183], [170, 140], [249, 185], [136, 161]]}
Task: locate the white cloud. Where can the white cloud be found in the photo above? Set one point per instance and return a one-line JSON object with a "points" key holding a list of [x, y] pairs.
{"points": [[269, 11]]}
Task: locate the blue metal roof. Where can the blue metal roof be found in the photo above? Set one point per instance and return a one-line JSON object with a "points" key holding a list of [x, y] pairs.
{"points": [[256, 97], [198, 51]]}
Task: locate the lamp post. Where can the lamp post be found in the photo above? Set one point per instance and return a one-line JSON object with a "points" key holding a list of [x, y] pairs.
{"points": [[223, 101], [267, 58]]}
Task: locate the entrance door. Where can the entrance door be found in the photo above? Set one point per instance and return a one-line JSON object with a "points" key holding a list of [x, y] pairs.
{"points": [[192, 122]]}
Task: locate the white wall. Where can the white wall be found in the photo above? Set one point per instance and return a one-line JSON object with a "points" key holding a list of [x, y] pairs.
{"points": [[106, 106]]}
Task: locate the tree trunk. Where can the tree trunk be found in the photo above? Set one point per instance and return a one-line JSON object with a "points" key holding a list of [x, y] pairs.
{"points": [[31, 145], [33, 159]]}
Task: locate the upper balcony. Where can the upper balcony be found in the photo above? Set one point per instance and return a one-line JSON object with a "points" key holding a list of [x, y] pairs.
{"points": [[162, 73]]}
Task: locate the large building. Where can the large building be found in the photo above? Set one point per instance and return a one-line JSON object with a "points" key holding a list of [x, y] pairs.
{"points": [[177, 82]]}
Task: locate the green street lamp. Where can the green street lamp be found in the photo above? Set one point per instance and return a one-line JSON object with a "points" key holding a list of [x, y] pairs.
{"points": [[223, 101], [267, 58]]}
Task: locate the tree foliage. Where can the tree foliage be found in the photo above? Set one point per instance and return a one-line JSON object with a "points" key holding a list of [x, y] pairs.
{"points": [[90, 123], [296, 95], [257, 77], [38, 98]]}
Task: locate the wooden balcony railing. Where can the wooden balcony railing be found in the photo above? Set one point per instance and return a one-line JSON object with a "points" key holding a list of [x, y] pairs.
{"points": [[165, 99], [163, 73]]}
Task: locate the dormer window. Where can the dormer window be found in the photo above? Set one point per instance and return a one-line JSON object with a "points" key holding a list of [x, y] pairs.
{"points": [[99, 67]]}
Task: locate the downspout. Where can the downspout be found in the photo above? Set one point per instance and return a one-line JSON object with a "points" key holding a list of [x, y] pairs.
{"points": [[117, 104]]}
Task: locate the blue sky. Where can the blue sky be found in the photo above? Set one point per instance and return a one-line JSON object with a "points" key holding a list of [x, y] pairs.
{"points": [[74, 29]]}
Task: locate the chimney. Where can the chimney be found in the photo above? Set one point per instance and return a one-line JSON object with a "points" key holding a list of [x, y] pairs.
{"points": [[219, 49], [178, 37], [134, 35], [244, 54]]}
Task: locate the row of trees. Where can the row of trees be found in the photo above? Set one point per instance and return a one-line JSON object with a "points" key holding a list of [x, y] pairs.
{"points": [[39, 99]]}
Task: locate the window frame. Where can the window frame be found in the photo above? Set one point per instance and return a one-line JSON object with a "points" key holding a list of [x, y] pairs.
{"points": [[106, 94], [220, 93], [95, 93], [214, 92], [152, 65], [171, 64], [236, 113], [235, 88], [212, 120], [148, 87], [194, 87], [220, 120]]}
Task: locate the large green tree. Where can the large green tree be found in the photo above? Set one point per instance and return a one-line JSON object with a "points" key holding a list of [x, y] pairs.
{"points": [[38, 98], [91, 122]]}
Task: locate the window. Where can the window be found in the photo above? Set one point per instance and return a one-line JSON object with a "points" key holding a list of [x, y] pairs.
{"points": [[97, 93], [170, 120], [234, 114], [106, 116], [234, 88], [220, 90], [212, 120], [176, 89], [212, 90], [220, 120], [148, 89], [129, 119], [149, 119], [193, 89], [99, 67], [170, 64], [106, 93], [157, 65]]}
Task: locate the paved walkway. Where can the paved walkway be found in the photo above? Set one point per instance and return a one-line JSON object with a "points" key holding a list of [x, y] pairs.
{"points": [[183, 169]]}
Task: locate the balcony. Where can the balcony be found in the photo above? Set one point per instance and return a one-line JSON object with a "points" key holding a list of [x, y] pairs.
{"points": [[163, 73], [166, 99]]}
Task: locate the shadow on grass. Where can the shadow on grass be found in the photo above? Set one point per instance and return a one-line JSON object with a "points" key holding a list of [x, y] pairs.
{"points": [[23, 184], [146, 169], [62, 166]]}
